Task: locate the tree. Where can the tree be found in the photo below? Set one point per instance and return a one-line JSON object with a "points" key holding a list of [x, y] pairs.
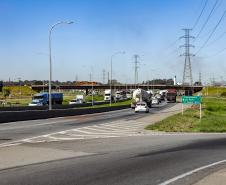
{"points": [[6, 92]]}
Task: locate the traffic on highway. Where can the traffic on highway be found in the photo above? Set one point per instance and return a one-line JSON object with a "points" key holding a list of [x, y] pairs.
{"points": [[114, 92]]}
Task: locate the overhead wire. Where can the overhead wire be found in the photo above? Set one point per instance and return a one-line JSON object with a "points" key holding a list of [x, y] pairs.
{"points": [[200, 15], [211, 34], [218, 38], [208, 18], [217, 53]]}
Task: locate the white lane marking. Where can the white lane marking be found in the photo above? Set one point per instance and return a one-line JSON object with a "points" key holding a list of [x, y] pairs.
{"points": [[8, 145], [118, 128], [123, 127], [36, 124], [109, 129], [191, 172], [82, 131]]}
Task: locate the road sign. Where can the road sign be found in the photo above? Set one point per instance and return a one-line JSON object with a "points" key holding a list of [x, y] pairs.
{"points": [[191, 99]]}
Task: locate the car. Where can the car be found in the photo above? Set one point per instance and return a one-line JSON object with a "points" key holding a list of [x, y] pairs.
{"points": [[141, 107], [155, 101], [72, 102]]}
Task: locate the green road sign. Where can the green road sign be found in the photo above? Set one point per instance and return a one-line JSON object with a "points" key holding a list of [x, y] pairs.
{"points": [[191, 99]]}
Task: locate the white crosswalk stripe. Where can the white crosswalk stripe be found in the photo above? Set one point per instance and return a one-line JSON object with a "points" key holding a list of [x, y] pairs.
{"points": [[106, 130]]}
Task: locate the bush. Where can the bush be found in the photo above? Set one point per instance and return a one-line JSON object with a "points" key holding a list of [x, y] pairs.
{"points": [[223, 94], [6, 92]]}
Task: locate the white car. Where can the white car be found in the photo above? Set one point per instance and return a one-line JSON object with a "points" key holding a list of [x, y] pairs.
{"points": [[72, 102], [142, 107], [155, 101]]}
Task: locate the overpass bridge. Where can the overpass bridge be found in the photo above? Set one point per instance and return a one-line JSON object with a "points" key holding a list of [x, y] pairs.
{"points": [[118, 87]]}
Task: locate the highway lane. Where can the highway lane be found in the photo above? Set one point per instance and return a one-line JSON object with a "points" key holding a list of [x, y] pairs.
{"points": [[10, 132], [144, 160]]}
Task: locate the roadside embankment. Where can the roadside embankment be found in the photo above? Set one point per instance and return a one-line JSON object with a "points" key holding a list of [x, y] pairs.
{"points": [[213, 119]]}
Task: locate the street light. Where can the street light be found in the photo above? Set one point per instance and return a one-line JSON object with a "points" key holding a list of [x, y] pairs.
{"points": [[120, 52], [50, 59]]}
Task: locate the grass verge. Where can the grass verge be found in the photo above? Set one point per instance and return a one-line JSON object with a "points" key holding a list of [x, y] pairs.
{"points": [[213, 119], [126, 102]]}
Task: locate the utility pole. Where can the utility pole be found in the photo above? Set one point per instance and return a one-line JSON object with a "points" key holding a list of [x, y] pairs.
{"points": [[91, 80], [187, 75], [200, 78], [108, 78], [104, 75], [136, 66], [19, 80]]}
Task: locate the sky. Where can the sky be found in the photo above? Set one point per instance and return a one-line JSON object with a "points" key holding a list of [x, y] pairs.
{"points": [[149, 28]]}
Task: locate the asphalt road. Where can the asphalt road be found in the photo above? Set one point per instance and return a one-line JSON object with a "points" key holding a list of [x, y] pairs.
{"points": [[139, 160], [123, 161], [25, 129]]}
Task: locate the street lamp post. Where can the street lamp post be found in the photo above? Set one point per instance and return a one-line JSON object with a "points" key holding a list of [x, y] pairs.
{"points": [[120, 52], [50, 59], [19, 80]]}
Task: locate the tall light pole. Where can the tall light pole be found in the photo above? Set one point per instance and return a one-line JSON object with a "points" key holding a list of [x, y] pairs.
{"points": [[50, 58], [119, 52], [19, 80]]}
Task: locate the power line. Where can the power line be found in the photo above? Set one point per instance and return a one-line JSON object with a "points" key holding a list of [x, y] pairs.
{"points": [[217, 53], [172, 44], [200, 15], [212, 33], [218, 38], [208, 18]]}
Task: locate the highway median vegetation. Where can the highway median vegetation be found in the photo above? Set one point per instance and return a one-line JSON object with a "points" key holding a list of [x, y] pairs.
{"points": [[213, 118], [107, 104]]}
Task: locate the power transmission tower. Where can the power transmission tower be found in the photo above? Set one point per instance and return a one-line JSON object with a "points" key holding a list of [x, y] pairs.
{"points": [[136, 65], [187, 75], [90, 77], [104, 75], [200, 78]]}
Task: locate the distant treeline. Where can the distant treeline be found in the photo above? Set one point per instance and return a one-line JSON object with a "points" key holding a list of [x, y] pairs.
{"points": [[45, 82]]}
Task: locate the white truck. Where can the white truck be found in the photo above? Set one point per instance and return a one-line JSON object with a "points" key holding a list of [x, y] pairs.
{"points": [[140, 95], [108, 95]]}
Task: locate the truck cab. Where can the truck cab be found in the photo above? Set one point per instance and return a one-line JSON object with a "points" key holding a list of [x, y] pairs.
{"points": [[39, 99], [42, 99], [108, 95]]}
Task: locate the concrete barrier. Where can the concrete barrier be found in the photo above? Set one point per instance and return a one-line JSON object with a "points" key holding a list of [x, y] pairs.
{"points": [[45, 114]]}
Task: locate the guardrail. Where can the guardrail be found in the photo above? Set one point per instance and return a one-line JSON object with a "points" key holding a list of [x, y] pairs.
{"points": [[13, 116]]}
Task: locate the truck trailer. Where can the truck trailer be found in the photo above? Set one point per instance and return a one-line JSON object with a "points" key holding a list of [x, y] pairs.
{"points": [[171, 95], [140, 95]]}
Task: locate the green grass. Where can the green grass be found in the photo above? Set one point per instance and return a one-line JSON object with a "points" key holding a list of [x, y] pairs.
{"points": [[95, 98], [127, 102], [214, 91], [213, 119]]}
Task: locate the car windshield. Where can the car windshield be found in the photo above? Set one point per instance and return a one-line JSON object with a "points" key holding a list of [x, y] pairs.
{"points": [[37, 97], [141, 104]]}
